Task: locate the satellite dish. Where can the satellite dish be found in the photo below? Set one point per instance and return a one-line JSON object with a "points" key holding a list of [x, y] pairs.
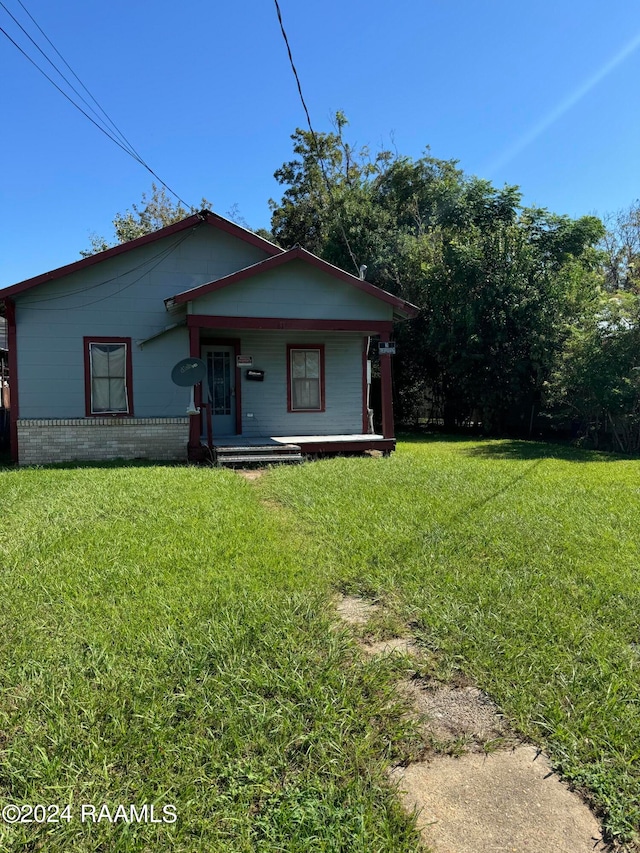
{"points": [[189, 371]]}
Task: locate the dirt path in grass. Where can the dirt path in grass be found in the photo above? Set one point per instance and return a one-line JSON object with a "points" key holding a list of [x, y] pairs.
{"points": [[479, 787]]}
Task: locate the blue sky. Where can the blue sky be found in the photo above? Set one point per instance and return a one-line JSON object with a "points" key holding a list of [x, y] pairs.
{"points": [[540, 95]]}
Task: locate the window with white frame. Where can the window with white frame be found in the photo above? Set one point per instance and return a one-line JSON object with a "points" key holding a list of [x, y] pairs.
{"points": [[108, 366], [306, 378]]}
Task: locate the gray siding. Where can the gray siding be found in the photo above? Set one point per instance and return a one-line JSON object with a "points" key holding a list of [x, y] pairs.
{"points": [[267, 400], [296, 289], [123, 297]]}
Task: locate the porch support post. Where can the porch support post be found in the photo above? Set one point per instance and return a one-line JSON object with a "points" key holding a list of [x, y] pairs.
{"points": [[387, 392], [365, 386], [14, 412], [193, 448]]}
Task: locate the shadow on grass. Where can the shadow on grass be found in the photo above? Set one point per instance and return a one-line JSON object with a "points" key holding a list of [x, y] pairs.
{"points": [[475, 505], [420, 437], [496, 448], [510, 449]]}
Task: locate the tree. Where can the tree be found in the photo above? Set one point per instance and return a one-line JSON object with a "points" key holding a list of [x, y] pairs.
{"points": [[596, 383], [621, 247], [153, 213], [495, 282], [324, 206]]}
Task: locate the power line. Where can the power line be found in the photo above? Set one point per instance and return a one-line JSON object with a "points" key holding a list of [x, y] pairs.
{"points": [[126, 147], [66, 80], [295, 74], [95, 101], [313, 135], [62, 92], [158, 258]]}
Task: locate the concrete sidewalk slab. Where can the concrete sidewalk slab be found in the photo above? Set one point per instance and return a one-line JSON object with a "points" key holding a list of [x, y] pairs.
{"points": [[504, 801]]}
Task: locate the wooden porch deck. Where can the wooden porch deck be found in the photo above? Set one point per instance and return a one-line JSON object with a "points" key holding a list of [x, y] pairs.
{"points": [[311, 444], [237, 450]]}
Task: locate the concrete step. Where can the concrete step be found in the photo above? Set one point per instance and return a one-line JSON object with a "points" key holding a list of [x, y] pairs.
{"points": [[242, 459], [247, 449]]}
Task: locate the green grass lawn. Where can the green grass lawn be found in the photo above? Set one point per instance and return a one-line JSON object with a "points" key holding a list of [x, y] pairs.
{"points": [[167, 637], [516, 563], [164, 640]]}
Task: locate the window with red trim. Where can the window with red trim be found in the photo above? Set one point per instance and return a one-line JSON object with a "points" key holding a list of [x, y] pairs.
{"points": [[108, 373], [305, 378]]}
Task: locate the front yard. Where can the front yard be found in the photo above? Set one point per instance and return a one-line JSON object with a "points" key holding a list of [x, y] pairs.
{"points": [[167, 637]]}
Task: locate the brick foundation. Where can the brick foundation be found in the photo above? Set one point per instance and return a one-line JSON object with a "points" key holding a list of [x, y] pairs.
{"points": [[98, 439]]}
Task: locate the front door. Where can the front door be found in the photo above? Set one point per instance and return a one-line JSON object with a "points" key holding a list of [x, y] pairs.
{"points": [[220, 387]]}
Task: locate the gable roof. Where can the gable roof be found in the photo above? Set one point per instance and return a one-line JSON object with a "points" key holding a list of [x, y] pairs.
{"points": [[193, 221], [403, 309]]}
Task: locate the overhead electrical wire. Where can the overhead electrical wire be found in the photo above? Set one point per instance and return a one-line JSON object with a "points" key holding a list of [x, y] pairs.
{"points": [[158, 258], [95, 101], [62, 92], [129, 147], [122, 143], [319, 157]]}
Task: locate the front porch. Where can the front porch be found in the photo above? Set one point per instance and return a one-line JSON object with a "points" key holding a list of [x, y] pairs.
{"points": [[259, 407], [236, 450]]}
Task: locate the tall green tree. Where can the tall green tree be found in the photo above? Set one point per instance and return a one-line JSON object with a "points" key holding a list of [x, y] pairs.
{"points": [[595, 385], [495, 282]]}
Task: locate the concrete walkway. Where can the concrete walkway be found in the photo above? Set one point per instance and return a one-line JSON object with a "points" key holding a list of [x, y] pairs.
{"points": [[504, 801], [498, 795]]}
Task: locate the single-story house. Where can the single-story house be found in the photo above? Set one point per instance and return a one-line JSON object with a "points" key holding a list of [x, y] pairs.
{"points": [[285, 337]]}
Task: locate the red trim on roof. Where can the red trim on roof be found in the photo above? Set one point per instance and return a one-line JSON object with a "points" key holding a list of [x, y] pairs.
{"points": [[194, 221], [210, 321], [242, 233], [296, 253]]}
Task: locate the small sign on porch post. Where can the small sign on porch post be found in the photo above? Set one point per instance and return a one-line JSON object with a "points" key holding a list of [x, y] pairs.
{"points": [[387, 347]]}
